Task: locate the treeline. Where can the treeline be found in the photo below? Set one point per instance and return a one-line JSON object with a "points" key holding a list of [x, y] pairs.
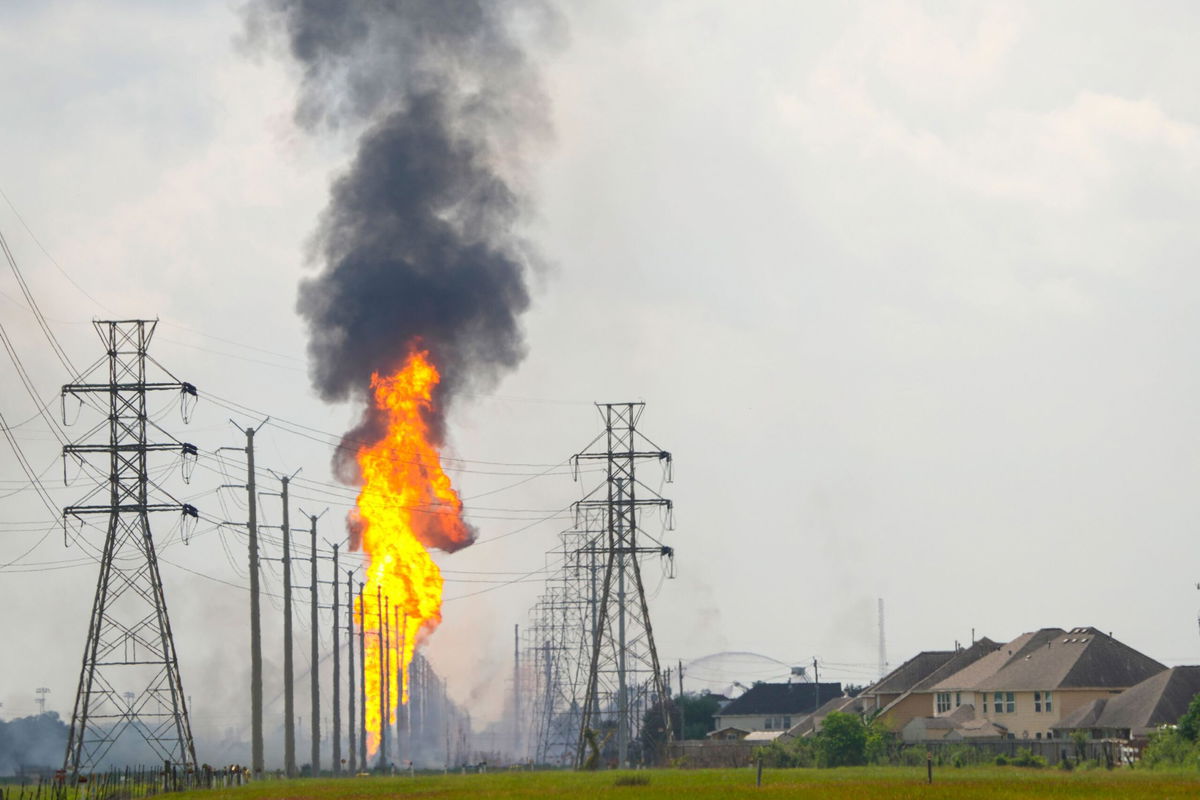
{"points": [[32, 743]]}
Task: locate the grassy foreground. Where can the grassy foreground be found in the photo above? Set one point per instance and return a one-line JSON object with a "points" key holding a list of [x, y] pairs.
{"points": [[828, 784]]}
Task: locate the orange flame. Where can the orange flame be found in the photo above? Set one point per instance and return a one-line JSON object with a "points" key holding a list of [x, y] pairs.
{"points": [[406, 504]]}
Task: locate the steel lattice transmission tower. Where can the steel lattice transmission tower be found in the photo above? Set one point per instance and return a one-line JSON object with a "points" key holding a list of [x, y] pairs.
{"points": [[130, 674], [624, 680], [558, 651]]}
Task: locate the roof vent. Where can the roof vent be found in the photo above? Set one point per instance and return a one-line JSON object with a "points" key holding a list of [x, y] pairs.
{"points": [[1066, 640]]}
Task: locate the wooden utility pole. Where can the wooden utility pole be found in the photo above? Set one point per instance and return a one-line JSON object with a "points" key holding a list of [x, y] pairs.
{"points": [[816, 685], [337, 675], [383, 677], [516, 732], [362, 677], [399, 635], [351, 697], [315, 672], [256, 701], [682, 715], [289, 700]]}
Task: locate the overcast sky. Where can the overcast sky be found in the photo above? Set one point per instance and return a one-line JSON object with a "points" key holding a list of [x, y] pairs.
{"points": [[908, 290]]}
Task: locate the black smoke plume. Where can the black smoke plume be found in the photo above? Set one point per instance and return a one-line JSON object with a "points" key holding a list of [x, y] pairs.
{"points": [[419, 242]]}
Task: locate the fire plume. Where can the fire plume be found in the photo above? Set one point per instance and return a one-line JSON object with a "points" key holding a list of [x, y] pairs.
{"points": [[406, 505]]}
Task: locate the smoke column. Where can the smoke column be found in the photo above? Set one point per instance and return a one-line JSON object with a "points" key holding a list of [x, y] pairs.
{"points": [[418, 243], [422, 276]]}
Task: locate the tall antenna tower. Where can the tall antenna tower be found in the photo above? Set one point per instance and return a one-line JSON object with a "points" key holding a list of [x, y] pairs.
{"points": [[624, 680], [882, 644], [129, 643]]}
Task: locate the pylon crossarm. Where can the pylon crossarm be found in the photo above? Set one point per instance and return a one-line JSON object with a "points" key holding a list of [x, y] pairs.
{"points": [[105, 388]]}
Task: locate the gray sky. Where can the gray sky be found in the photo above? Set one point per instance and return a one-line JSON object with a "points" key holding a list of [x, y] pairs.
{"points": [[905, 287]]}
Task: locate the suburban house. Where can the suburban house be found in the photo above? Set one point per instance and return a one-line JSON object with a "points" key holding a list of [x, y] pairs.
{"points": [[1023, 689], [906, 693], [1136, 712], [772, 706]]}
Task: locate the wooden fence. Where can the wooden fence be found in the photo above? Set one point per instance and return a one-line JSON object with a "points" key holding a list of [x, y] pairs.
{"points": [[701, 753], [127, 783]]}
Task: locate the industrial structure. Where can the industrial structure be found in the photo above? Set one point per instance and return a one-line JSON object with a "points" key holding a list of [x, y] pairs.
{"points": [[591, 667], [129, 642]]}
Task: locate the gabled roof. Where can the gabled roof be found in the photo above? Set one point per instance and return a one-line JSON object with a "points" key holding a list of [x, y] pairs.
{"points": [[1159, 700], [970, 676], [779, 698], [904, 677], [1079, 659], [979, 729], [957, 662], [721, 733], [1083, 717], [1052, 658], [810, 722]]}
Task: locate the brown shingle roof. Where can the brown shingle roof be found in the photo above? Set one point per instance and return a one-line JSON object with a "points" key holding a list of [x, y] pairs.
{"points": [[970, 676], [911, 672], [1052, 658], [959, 661], [1159, 700], [1076, 659]]}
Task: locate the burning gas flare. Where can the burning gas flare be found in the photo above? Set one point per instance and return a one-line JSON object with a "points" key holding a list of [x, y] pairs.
{"points": [[405, 506]]}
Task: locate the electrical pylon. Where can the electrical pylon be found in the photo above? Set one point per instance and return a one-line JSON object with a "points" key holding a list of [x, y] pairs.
{"points": [[624, 680], [129, 643], [558, 649]]}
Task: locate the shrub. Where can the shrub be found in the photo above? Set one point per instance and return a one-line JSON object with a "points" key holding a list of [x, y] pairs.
{"points": [[787, 753], [912, 756], [1080, 739], [960, 755], [879, 739], [1001, 760], [1168, 748], [842, 741], [1026, 758]]}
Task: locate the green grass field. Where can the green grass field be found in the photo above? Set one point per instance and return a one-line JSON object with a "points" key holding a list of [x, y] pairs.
{"points": [[829, 784]]}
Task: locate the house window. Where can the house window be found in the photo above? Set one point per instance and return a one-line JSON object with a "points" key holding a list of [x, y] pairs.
{"points": [[998, 701], [1041, 699], [957, 699], [1005, 702], [1048, 701], [787, 723], [769, 723], [943, 702], [985, 702]]}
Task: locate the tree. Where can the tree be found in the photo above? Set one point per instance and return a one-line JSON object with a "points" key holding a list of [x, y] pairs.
{"points": [[1189, 723], [698, 715], [843, 740]]}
